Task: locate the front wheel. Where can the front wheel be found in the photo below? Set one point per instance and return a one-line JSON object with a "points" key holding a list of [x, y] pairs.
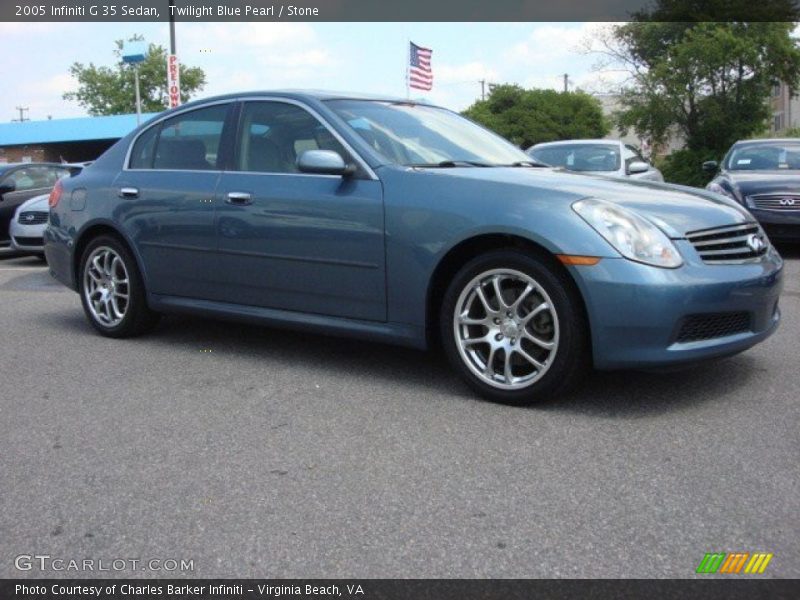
{"points": [[513, 326], [112, 291]]}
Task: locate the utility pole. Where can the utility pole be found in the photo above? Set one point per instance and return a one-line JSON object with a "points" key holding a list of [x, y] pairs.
{"points": [[22, 110], [172, 27], [483, 88]]}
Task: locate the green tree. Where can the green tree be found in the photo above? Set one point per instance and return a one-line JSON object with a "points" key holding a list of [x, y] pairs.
{"points": [[111, 90], [527, 117], [708, 81]]}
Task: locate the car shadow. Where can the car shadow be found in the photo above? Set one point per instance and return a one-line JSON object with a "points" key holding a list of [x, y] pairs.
{"points": [[612, 394]]}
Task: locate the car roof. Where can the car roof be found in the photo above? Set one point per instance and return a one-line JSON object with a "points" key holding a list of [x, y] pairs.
{"points": [[768, 141], [563, 142], [295, 94]]}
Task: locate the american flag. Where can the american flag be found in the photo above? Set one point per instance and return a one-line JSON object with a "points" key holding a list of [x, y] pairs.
{"points": [[420, 75]]}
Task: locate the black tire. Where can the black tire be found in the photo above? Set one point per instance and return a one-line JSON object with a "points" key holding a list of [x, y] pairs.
{"points": [[571, 357], [138, 318]]}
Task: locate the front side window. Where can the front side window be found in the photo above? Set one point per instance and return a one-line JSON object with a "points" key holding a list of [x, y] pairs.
{"points": [[580, 157], [188, 141], [273, 134], [414, 134]]}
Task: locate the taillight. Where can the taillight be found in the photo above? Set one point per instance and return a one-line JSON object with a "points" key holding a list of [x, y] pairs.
{"points": [[55, 195]]}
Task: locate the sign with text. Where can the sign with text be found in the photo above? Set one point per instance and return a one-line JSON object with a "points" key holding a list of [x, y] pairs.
{"points": [[173, 81]]}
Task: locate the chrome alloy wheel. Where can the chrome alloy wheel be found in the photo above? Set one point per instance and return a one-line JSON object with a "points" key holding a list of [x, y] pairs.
{"points": [[506, 328], [106, 286]]}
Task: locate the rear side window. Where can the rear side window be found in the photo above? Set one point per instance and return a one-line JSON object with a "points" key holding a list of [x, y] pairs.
{"points": [[143, 150], [187, 142]]}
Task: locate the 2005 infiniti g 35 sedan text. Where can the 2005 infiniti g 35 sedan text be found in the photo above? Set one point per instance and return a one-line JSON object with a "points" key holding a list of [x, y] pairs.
{"points": [[403, 222]]}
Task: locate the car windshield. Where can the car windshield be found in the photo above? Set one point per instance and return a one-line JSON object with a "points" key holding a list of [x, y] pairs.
{"points": [[579, 157], [765, 157], [418, 135]]}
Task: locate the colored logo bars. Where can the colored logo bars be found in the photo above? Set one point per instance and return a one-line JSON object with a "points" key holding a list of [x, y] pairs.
{"points": [[733, 562]]}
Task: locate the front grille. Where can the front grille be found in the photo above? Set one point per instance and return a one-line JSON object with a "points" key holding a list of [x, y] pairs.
{"points": [[695, 328], [733, 244], [29, 241], [776, 201], [32, 217]]}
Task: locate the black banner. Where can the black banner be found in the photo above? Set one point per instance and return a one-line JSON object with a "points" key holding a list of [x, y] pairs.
{"points": [[396, 589], [405, 10]]}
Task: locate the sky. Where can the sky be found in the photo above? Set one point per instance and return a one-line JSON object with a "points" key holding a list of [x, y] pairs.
{"points": [[359, 57]]}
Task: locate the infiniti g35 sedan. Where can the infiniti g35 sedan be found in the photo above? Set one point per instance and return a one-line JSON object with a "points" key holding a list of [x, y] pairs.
{"points": [[403, 222], [763, 176]]}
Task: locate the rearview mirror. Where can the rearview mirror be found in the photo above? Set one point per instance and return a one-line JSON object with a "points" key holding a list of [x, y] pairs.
{"points": [[6, 187], [710, 166], [323, 162], [638, 166]]}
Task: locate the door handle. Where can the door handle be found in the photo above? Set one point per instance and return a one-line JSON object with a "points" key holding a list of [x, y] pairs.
{"points": [[128, 192], [239, 198]]}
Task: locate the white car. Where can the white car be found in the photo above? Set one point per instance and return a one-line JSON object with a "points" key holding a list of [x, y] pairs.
{"points": [[27, 227], [600, 157]]}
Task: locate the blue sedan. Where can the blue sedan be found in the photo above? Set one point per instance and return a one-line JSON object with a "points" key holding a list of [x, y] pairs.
{"points": [[403, 222]]}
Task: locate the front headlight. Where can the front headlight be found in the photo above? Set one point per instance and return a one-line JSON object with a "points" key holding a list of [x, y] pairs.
{"points": [[633, 236], [718, 189]]}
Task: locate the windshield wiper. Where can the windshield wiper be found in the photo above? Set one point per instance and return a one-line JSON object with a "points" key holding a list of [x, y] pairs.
{"points": [[528, 163], [445, 164]]}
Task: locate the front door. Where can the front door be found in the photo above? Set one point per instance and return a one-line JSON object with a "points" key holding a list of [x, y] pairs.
{"points": [[296, 241], [165, 200]]}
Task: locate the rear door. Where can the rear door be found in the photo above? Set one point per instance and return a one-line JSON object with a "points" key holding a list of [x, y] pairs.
{"points": [[165, 199], [297, 241]]}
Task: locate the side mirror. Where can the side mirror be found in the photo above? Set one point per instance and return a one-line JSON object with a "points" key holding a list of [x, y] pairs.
{"points": [[323, 162], [638, 166], [6, 187], [710, 166]]}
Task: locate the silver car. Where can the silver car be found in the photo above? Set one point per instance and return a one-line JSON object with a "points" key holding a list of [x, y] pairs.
{"points": [[599, 157], [26, 229]]}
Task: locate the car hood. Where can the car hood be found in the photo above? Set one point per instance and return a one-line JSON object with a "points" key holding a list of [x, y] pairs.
{"points": [[765, 182], [675, 209], [35, 203]]}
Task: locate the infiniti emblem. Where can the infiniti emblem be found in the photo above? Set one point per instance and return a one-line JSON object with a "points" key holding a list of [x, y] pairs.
{"points": [[755, 243], [787, 201]]}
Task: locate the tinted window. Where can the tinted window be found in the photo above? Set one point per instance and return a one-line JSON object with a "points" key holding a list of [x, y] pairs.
{"points": [[579, 157], [273, 134], [189, 141], [143, 150]]}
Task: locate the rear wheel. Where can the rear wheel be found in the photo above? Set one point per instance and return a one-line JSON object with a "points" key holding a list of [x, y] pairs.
{"points": [[513, 326], [112, 292]]}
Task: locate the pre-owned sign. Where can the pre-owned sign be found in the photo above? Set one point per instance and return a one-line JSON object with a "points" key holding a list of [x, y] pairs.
{"points": [[173, 81]]}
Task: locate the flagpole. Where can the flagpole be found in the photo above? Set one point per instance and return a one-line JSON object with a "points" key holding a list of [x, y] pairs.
{"points": [[408, 62]]}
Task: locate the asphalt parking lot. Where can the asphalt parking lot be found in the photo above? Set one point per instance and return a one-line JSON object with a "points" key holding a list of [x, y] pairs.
{"points": [[261, 453]]}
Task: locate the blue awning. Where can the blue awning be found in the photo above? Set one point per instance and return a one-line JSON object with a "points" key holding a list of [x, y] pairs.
{"points": [[69, 130]]}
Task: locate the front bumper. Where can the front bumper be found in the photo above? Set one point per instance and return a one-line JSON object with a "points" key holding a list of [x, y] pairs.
{"points": [[780, 225], [638, 313], [27, 238]]}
